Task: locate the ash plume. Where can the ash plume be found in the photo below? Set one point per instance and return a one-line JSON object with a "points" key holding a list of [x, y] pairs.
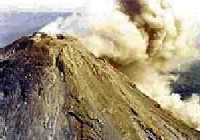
{"points": [[141, 38]]}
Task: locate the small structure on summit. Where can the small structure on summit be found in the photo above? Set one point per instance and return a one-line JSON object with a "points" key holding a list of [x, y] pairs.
{"points": [[40, 34], [60, 36]]}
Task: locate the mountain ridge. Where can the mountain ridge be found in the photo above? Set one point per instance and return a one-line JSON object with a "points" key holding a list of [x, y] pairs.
{"points": [[55, 89]]}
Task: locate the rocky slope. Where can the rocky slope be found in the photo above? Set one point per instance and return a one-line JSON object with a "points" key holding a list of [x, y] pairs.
{"points": [[55, 89]]}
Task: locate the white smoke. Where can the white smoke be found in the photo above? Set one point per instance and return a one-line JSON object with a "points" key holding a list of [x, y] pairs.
{"points": [[144, 40]]}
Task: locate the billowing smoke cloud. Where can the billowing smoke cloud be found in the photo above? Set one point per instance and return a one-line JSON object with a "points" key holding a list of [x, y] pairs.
{"points": [[144, 40]]}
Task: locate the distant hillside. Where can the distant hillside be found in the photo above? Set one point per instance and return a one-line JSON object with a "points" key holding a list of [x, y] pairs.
{"points": [[13, 25], [188, 82]]}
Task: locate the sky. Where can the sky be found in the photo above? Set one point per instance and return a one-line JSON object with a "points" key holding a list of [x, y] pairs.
{"points": [[184, 7], [40, 5], [187, 7]]}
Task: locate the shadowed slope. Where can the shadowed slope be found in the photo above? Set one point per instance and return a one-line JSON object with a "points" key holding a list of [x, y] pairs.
{"points": [[55, 89]]}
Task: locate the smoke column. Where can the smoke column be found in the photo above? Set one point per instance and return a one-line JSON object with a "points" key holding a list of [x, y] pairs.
{"points": [[144, 40]]}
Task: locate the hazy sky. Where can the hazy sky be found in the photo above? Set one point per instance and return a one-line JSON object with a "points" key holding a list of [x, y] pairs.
{"points": [[185, 7], [40, 5]]}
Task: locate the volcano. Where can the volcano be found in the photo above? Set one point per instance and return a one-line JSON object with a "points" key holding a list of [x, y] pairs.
{"points": [[56, 89]]}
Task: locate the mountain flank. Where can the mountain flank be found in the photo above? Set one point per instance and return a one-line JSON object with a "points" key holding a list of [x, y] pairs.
{"points": [[55, 89]]}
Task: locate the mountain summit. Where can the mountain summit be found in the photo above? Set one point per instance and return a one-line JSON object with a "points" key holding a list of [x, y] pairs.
{"points": [[55, 89]]}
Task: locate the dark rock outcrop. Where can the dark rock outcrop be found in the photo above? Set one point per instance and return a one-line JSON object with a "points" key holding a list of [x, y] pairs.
{"points": [[56, 90]]}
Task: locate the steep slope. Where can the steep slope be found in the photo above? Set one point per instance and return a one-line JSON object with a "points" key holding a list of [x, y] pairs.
{"points": [[55, 89]]}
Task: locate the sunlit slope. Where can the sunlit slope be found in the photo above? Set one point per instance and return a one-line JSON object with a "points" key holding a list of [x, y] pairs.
{"points": [[56, 89]]}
